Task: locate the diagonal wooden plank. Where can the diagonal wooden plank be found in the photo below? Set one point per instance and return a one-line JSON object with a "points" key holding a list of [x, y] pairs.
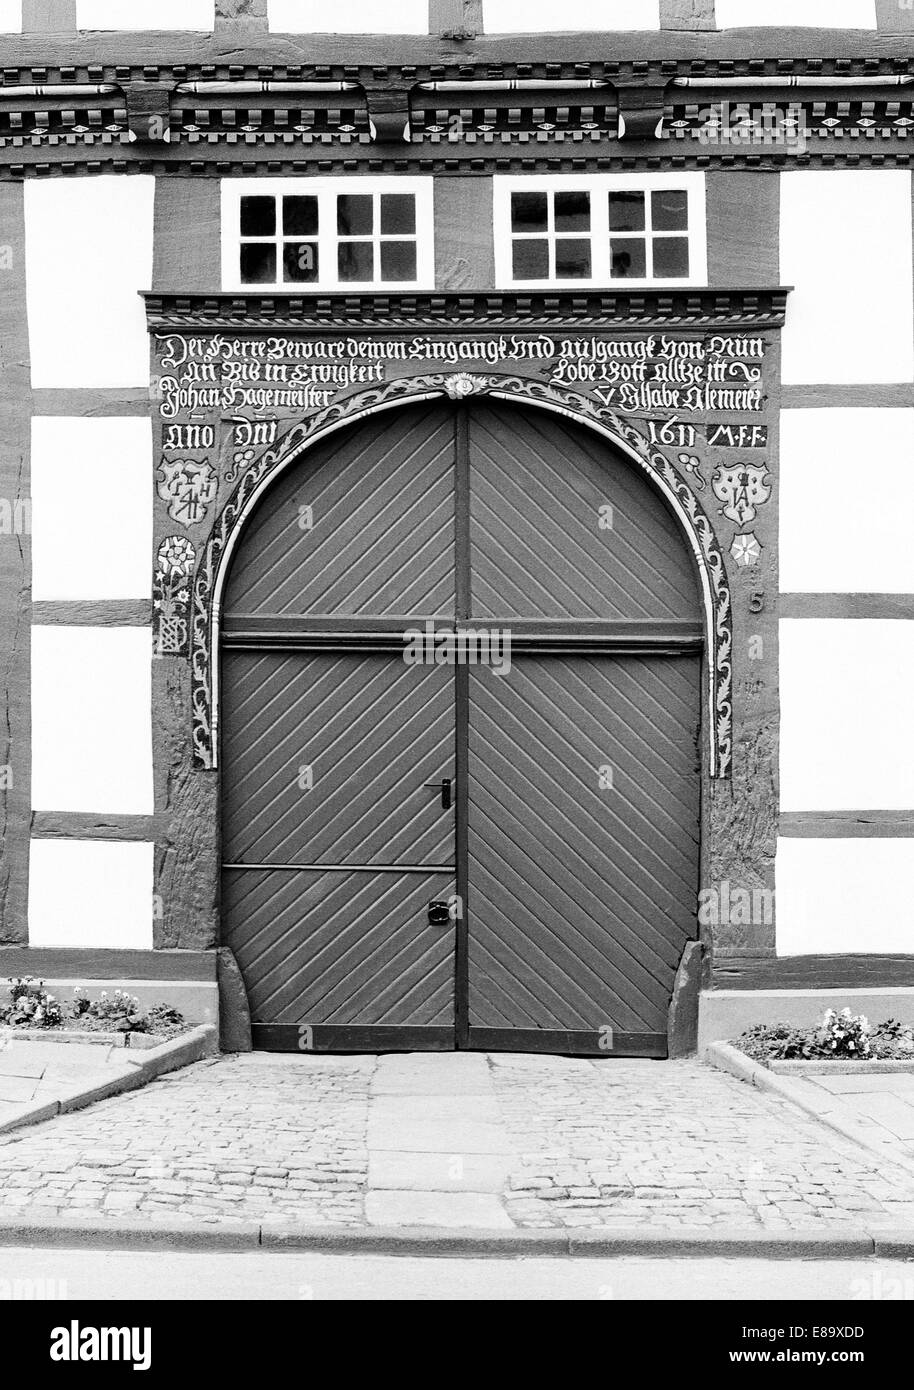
{"points": [[579, 907], [383, 528], [538, 483], [341, 948]]}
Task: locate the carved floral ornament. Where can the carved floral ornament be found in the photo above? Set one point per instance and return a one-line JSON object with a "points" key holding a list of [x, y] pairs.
{"points": [[171, 585], [692, 516]]}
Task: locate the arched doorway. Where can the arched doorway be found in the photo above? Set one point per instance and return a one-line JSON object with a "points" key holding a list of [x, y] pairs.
{"points": [[426, 850]]}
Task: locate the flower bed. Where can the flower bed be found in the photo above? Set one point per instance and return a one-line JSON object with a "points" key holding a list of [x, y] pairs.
{"points": [[34, 1012], [840, 1037]]}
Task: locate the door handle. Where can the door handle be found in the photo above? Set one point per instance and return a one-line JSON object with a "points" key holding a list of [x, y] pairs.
{"points": [[445, 787]]}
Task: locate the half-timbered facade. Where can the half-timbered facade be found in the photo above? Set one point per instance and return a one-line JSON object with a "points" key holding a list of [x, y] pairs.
{"points": [[455, 471]]}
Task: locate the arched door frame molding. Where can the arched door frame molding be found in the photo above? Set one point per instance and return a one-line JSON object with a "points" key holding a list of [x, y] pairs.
{"points": [[692, 518]]}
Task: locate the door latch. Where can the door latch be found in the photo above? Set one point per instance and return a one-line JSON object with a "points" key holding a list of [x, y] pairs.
{"points": [[439, 913], [445, 786]]}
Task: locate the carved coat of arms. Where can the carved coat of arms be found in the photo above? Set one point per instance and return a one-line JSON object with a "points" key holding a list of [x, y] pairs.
{"points": [[188, 487], [742, 490]]}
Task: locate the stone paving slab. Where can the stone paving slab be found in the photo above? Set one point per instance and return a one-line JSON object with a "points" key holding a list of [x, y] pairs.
{"points": [[277, 1142], [436, 1172], [899, 1083], [473, 1107], [23, 1059], [446, 1136], [438, 1073], [442, 1210], [18, 1088], [890, 1111]]}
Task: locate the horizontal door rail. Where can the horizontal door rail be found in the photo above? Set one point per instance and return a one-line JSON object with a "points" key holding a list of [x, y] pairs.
{"points": [[520, 647], [347, 868], [394, 624], [525, 637]]}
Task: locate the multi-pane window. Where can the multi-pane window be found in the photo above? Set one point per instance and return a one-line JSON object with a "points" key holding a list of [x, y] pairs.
{"points": [[550, 235], [376, 237], [336, 233], [649, 234], [599, 229], [278, 240]]}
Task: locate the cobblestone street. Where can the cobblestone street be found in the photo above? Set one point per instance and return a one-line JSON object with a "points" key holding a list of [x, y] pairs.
{"points": [[254, 1138], [450, 1139], [678, 1143]]}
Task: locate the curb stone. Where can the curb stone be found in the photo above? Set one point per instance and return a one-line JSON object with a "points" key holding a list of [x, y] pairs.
{"points": [[97, 1233], [83, 1036], [133, 1072], [805, 1095], [414, 1240], [888, 1066]]}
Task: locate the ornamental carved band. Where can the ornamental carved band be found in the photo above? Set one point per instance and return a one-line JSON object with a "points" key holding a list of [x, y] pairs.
{"points": [[577, 407]]}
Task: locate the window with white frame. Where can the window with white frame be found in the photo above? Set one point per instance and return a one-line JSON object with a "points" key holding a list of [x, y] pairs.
{"points": [[300, 234], [600, 229]]}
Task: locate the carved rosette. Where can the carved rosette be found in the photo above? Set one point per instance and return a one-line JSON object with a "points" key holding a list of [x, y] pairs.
{"points": [[463, 384]]}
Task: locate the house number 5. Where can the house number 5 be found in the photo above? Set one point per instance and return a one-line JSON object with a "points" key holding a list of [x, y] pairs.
{"points": [[756, 601]]}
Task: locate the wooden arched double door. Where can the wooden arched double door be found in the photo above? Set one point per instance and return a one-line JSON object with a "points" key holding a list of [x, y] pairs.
{"points": [[423, 850]]}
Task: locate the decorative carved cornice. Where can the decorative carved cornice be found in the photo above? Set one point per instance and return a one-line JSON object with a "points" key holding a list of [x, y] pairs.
{"points": [[479, 113], [561, 153], [376, 61], [493, 312]]}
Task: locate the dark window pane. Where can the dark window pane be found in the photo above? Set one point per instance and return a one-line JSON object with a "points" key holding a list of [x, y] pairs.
{"points": [[398, 260], [258, 263], [670, 210], [299, 216], [354, 214], [299, 262], [626, 212], [671, 257], [355, 260], [572, 259], [628, 259], [531, 260], [572, 212], [528, 212], [258, 216], [398, 213]]}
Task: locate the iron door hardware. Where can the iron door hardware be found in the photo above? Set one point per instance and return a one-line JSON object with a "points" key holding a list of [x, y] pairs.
{"points": [[445, 785], [439, 913]]}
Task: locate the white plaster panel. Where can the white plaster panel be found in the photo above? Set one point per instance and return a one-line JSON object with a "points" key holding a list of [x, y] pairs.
{"points": [[91, 893], [847, 496], [847, 736], [91, 507], [88, 254], [814, 14], [10, 16], [91, 719], [139, 15], [837, 897], [846, 249], [349, 17], [545, 16]]}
